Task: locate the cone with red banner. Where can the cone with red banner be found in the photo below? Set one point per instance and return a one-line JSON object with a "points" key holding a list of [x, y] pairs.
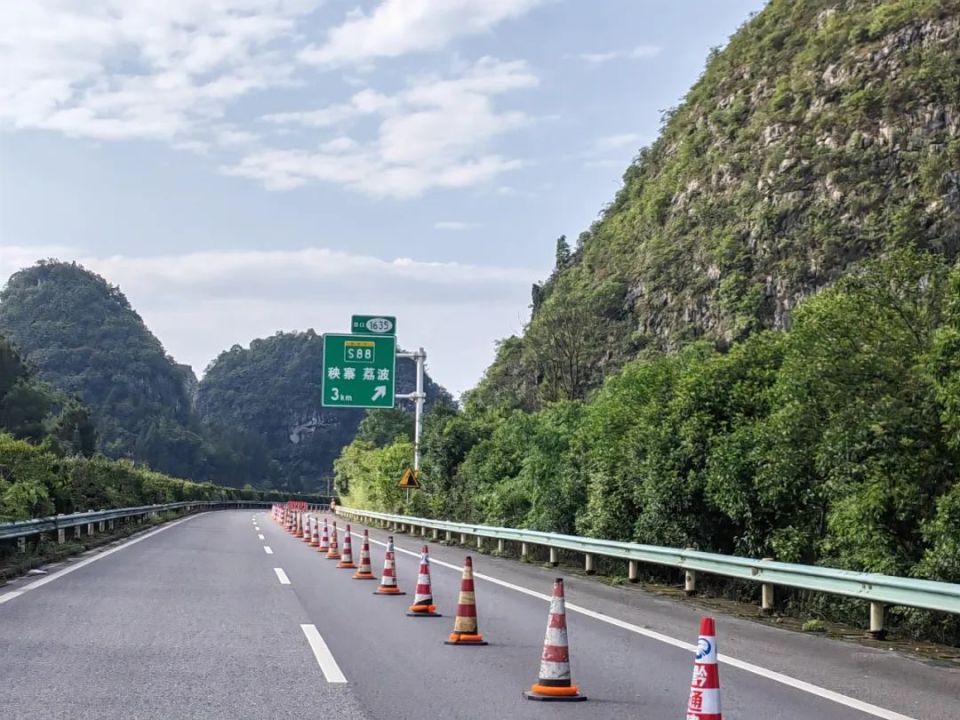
{"points": [[465, 630], [324, 538], [346, 560], [365, 571], [704, 702], [334, 552], [423, 599], [554, 683], [388, 580]]}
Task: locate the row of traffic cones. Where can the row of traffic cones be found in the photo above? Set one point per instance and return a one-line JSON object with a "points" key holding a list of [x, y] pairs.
{"points": [[555, 680]]}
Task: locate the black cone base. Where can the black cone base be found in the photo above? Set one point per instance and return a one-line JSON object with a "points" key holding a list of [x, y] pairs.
{"points": [[553, 698], [466, 642], [425, 614]]}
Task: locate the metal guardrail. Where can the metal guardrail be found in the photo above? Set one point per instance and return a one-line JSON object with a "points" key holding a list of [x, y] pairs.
{"points": [[879, 590], [25, 528]]}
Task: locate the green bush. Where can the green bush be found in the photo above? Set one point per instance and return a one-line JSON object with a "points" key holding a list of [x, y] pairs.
{"points": [[36, 482]]}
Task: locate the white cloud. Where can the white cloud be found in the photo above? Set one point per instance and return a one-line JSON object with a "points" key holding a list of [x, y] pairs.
{"points": [[453, 225], [606, 164], [398, 27], [618, 141], [433, 134], [138, 69], [230, 136], [199, 304], [172, 71], [641, 52], [610, 151], [362, 103]]}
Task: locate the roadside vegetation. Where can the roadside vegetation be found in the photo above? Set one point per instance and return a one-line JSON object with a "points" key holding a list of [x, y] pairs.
{"points": [[834, 443]]}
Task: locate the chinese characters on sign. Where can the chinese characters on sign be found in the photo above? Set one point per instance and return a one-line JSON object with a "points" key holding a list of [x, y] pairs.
{"points": [[359, 370]]}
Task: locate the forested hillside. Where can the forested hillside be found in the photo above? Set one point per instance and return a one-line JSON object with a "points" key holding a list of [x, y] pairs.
{"points": [[826, 132], [32, 410], [84, 339], [255, 418], [756, 348]]}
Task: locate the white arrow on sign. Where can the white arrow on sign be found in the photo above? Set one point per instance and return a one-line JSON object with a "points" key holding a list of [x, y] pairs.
{"points": [[379, 392]]}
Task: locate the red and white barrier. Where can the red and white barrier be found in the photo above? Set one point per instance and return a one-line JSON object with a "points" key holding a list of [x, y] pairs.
{"points": [[554, 683], [704, 702]]}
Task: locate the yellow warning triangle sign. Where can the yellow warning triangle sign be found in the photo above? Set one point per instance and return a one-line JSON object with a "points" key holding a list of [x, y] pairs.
{"points": [[409, 480]]}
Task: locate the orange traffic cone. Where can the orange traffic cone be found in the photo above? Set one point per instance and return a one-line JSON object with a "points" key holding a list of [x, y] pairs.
{"points": [[315, 535], [346, 561], [299, 532], [423, 599], [465, 630], [704, 703], [308, 529], [334, 552], [365, 572], [388, 581], [324, 538], [554, 682]]}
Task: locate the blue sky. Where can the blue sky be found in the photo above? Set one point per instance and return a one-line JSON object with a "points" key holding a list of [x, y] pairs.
{"points": [[240, 167]]}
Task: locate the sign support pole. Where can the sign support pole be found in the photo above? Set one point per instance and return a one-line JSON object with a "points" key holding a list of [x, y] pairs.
{"points": [[418, 396], [420, 356]]}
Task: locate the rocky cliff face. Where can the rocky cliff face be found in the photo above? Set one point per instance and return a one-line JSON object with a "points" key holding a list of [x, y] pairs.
{"points": [[826, 132]]}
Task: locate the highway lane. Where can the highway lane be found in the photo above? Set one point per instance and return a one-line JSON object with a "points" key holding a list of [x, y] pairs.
{"points": [[194, 622], [906, 685], [617, 668], [189, 623]]}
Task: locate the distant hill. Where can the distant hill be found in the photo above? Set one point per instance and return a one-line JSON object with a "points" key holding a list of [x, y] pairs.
{"points": [[255, 418], [82, 336], [271, 390], [824, 134]]}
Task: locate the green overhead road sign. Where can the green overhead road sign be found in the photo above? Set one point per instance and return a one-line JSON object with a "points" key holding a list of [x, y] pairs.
{"points": [[374, 324], [359, 370]]}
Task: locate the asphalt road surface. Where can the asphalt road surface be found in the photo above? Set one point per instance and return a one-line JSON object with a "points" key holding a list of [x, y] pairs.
{"points": [[226, 615]]}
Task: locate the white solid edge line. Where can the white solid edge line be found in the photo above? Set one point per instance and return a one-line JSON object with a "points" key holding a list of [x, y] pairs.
{"points": [[801, 685], [268, 550], [260, 536], [92, 559], [328, 665], [10, 596], [282, 576]]}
